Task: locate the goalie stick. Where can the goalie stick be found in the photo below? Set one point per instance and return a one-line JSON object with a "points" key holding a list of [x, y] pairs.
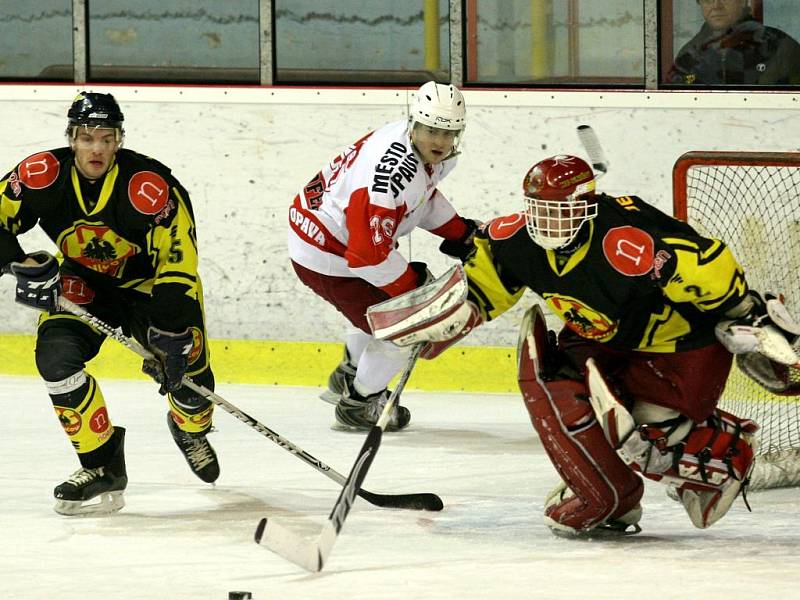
{"points": [[421, 501], [312, 555], [591, 143]]}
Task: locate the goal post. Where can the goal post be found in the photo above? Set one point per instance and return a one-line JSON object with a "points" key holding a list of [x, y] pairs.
{"points": [[751, 201]]}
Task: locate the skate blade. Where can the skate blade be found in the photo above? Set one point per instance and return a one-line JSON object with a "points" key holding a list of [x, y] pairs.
{"points": [[336, 426], [330, 397], [614, 529], [110, 502]]}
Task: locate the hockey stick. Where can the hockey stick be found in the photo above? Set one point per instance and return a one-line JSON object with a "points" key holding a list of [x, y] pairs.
{"points": [[422, 501], [591, 143], [311, 555]]}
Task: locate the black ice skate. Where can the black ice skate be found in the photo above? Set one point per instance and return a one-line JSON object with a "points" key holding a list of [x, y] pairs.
{"points": [[105, 482], [358, 412], [197, 450], [342, 375]]}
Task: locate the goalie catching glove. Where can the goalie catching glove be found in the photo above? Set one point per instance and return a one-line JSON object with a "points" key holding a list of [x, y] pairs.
{"points": [[766, 340], [760, 324], [436, 314]]}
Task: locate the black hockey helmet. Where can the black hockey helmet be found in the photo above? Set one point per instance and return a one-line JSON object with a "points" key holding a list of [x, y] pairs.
{"points": [[92, 109]]}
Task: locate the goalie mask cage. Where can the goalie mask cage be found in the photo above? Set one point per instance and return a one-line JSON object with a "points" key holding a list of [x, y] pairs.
{"points": [[751, 201]]}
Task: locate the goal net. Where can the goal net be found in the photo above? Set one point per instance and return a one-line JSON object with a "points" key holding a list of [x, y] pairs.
{"points": [[751, 201]]}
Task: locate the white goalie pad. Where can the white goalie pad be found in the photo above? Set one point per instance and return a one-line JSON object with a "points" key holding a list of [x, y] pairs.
{"points": [[616, 421], [433, 312], [619, 426]]}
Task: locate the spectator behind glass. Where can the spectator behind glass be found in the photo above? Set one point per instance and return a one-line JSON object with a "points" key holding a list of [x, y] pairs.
{"points": [[733, 48]]}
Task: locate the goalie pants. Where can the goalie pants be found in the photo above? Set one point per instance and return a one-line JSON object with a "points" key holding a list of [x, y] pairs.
{"points": [[690, 382], [65, 344]]}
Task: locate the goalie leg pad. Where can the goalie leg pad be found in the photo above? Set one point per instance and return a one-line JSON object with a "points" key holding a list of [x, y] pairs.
{"points": [[601, 487], [715, 465], [708, 463]]}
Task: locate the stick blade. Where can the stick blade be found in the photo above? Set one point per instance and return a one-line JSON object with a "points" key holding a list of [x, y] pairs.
{"points": [[285, 543], [421, 501], [591, 143]]}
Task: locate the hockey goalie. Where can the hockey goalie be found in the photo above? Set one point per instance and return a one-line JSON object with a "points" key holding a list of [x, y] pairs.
{"points": [[653, 314]]}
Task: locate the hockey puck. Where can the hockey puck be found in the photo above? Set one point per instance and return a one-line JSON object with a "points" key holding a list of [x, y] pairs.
{"points": [[240, 596]]}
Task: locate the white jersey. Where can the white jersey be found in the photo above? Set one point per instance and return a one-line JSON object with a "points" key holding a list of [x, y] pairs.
{"points": [[346, 220]]}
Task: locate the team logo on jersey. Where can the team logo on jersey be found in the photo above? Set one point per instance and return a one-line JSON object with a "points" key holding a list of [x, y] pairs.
{"points": [[75, 290], [99, 420], [148, 192], [629, 250], [13, 181], [394, 170], [176, 416], [314, 190], [581, 318], [503, 228], [70, 420], [97, 247], [202, 418], [306, 226], [197, 346], [345, 160], [661, 258], [39, 171]]}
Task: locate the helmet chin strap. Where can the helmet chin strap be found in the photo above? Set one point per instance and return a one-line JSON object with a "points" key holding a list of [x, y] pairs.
{"points": [[580, 238]]}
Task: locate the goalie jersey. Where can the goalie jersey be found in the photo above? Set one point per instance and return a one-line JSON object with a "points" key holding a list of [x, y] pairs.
{"points": [[635, 278], [133, 229]]}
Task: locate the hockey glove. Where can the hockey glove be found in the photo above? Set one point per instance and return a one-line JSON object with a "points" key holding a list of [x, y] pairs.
{"points": [[171, 358], [39, 285], [424, 274], [462, 247], [760, 324]]}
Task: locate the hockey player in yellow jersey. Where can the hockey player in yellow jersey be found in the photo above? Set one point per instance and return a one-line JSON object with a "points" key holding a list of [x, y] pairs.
{"points": [[652, 315], [125, 234]]}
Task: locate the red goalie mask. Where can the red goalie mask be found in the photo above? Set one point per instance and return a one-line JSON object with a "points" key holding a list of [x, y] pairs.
{"points": [[559, 199]]}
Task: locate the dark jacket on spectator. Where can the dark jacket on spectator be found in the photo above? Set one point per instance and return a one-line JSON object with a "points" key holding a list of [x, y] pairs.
{"points": [[747, 54]]}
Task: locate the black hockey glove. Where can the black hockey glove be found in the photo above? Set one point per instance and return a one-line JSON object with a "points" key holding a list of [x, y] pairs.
{"points": [[172, 358], [423, 273], [38, 286], [463, 246]]}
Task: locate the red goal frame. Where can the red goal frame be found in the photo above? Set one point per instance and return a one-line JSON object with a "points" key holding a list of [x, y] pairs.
{"points": [[712, 158]]}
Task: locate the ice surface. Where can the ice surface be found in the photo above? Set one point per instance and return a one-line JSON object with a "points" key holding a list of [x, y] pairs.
{"points": [[178, 538]]}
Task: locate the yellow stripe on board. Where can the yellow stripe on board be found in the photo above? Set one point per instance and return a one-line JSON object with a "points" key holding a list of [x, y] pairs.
{"points": [[467, 368]]}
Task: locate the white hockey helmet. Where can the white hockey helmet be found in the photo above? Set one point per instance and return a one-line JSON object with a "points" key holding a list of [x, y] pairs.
{"points": [[438, 105]]}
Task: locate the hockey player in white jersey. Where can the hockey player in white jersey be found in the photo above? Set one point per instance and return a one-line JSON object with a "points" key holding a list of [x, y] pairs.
{"points": [[344, 227]]}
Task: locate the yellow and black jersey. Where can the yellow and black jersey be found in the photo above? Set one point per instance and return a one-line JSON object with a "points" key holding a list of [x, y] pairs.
{"points": [[639, 280], [132, 229]]}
